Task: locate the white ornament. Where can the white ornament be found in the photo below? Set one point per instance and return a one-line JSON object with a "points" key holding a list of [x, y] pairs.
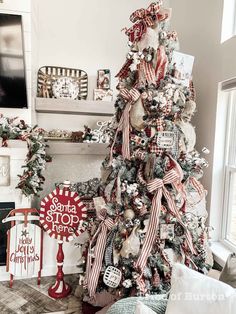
{"points": [[129, 214], [112, 277], [206, 150], [136, 115], [131, 245]]}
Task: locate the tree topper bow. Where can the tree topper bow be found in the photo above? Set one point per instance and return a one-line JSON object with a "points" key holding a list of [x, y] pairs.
{"points": [[144, 18]]}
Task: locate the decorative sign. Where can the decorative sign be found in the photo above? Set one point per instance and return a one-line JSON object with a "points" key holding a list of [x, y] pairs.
{"points": [[25, 250], [62, 214], [4, 170], [24, 244], [182, 67], [166, 139], [112, 277]]}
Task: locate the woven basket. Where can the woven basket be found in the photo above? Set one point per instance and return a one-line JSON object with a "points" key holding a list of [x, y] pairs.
{"points": [[47, 75]]}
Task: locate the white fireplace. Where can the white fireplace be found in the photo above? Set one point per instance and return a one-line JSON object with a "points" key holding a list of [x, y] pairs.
{"points": [[9, 169]]}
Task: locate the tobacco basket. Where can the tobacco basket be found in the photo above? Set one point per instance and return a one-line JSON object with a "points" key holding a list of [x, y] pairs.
{"points": [[47, 75]]}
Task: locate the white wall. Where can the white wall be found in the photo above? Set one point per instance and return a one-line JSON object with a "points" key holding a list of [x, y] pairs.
{"points": [[198, 24]]}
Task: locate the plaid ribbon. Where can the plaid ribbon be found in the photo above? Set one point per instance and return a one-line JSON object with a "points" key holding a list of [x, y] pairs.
{"points": [[144, 18], [93, 269], [158, 187], [192, 91], [130, 96], [162, 63], [155, 149], [167, 108]]}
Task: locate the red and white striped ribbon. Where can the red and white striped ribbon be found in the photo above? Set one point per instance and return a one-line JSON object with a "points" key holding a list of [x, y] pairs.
{"points": [[197, 186], [147, 72], [158, 186], [130, 96], [141, 284], [162, 63], [93, 269]]}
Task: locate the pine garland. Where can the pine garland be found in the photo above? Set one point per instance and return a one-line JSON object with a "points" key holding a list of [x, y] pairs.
{"points": [[32, 180]]}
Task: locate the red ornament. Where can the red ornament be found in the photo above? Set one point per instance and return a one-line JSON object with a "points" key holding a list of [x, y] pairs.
{"points": [[62, 214]]}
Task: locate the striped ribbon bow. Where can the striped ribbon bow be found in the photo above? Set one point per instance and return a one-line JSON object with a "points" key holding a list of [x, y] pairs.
{"points": [[93, 269], [158, 186], [130, 96]]}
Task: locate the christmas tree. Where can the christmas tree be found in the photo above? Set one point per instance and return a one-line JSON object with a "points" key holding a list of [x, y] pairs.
{"points": [[153, 213]]}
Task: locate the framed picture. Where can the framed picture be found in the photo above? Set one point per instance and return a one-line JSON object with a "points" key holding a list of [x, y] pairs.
{"points": [[102, 94], [104, 78], [182, 67]]}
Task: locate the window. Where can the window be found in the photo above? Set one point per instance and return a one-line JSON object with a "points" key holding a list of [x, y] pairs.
{"points": [[229, 219], [229, 20]]}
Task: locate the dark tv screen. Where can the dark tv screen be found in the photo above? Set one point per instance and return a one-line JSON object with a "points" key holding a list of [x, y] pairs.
{"points": [[13, 92]]}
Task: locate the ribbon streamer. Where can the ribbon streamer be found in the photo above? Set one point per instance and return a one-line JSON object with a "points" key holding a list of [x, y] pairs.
{"points": [[146, 73], [162, 63], [93, 269], [130, 96]]}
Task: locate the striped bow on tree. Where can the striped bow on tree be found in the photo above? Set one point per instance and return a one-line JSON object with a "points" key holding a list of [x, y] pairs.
{"points": [[158, 187], [93, 269]]}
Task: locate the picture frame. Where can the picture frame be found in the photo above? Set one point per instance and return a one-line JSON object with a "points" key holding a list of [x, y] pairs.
{"points": [[182, 67], [104, 79]]}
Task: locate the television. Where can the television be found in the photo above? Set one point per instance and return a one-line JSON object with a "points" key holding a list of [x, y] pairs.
{"points": [[13, 92]]}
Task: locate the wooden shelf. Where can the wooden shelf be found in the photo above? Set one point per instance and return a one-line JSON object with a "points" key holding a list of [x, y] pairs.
{"points": [[81, 107], [68, 148]]}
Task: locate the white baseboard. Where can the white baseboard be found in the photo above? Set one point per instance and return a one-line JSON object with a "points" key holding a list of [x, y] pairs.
{"points": [[46, 271]]}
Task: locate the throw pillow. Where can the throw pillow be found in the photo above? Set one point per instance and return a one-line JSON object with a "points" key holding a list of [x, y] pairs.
{"points": [[194, 293], [143, 309], [228, 274]]}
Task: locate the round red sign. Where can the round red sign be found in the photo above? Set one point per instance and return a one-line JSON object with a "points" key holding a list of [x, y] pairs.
{"points": [[63, 215]]}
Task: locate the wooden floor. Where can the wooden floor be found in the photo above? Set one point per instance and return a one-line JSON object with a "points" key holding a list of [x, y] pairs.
{"points": [[28, 298]]}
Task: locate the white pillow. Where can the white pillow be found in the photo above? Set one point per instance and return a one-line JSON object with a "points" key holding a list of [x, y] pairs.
{"points": [[194, 293], [143, 309]]}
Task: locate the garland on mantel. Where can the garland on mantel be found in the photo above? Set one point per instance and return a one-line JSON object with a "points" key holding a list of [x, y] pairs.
{"points": [[31, 181]]}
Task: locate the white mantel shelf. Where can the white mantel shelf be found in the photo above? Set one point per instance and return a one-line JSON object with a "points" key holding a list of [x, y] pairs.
{"points": [[68, 148], [68, 106]]}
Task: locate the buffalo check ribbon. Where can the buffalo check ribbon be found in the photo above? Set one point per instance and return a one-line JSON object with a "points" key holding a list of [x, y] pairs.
{"points": [[130, 97], [93, 269], [144, 18], [158, 187]]}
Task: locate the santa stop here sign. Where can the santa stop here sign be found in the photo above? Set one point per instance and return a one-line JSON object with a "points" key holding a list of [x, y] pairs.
{"points": [[63, 215]]}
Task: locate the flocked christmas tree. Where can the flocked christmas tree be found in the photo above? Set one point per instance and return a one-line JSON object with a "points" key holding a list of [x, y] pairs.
{"points": [[154, 211]]}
